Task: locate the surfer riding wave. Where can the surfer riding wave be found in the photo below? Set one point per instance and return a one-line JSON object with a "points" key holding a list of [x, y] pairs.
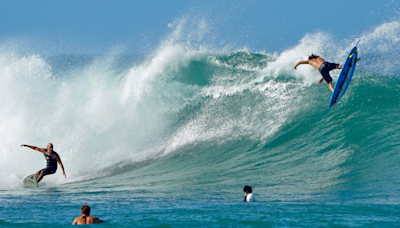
{"points": [[322, 66], [51, 161]]}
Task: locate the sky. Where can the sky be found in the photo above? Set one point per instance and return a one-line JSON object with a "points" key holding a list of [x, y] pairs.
{"points": [[92, 26]]}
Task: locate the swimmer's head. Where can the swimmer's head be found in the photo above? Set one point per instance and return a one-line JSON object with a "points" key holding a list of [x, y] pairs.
{"points": [[85, 209]]}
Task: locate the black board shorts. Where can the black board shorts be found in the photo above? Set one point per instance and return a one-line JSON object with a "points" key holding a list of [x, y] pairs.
{"points": [[49, 170], [325, 68]]}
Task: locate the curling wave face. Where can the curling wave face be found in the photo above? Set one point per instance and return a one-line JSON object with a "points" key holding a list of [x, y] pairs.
{"points": [[191, 116]]}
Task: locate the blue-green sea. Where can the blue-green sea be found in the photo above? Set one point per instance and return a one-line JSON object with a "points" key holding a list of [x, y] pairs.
{"points": [[169, 137]]}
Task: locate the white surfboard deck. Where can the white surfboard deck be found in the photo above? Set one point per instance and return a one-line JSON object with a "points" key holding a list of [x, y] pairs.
{"points": [[30, 181]]}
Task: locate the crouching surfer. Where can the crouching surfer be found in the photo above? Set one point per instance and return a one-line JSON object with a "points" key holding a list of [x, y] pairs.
{"points": [[51, 158], [248, 196], [322, 66]]}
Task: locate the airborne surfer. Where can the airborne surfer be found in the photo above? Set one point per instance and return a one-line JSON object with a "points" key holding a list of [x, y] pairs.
{"points": [[322, 66], [52, 159]]}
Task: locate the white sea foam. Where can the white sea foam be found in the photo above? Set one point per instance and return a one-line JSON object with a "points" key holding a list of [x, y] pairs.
{"points": [[96, 117]]}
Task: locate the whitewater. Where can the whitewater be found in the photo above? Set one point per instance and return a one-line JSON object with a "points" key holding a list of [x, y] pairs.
{"points": [[169, 138]]}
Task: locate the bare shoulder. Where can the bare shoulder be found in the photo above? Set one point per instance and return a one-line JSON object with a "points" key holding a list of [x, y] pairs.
{"points": [[79, 220], [96, 220], [56, 154]]}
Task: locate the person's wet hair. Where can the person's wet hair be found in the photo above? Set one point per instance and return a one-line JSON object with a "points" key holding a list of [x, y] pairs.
{"points": [[247, 189], [85, 209], [312, 56]]}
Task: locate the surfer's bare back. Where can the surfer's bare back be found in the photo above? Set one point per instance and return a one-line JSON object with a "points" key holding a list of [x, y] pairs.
{"points": [[322, 66]]}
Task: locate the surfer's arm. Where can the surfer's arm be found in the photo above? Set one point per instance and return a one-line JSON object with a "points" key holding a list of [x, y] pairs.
{"points": [[61, 164], [301, 62], [42, 150]]}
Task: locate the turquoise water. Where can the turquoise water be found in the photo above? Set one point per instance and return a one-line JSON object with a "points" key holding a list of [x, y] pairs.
{"points": [[169, 138]]}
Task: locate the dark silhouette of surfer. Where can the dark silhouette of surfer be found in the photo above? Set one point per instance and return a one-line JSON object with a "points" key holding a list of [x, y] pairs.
{"points": [[248, 196]]}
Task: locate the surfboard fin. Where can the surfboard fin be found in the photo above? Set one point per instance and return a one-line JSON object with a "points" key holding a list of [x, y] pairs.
{"points": [[358, 59]]}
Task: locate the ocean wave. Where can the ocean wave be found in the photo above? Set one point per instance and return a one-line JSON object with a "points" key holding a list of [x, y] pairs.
{"points": [[204, 112]]}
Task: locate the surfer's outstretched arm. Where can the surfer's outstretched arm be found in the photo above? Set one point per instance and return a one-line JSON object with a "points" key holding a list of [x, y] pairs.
{"points": [[42, 150], [301, 62]]}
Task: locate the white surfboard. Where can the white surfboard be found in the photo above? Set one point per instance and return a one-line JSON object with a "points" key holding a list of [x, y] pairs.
{"points": [[30, 181]]}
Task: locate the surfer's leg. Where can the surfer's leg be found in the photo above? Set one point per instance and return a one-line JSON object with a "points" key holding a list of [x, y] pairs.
{"points": [[330, 86], [327, 76], [328, 79], [38, 173], [42, 173], [332, 66], [324, 70]]}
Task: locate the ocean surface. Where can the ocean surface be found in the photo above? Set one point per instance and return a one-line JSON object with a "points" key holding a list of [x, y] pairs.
{"points": [[169, 137]]}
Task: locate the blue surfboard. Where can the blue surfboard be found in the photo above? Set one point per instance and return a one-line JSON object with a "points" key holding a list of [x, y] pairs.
{"points": [[344, 77]]}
